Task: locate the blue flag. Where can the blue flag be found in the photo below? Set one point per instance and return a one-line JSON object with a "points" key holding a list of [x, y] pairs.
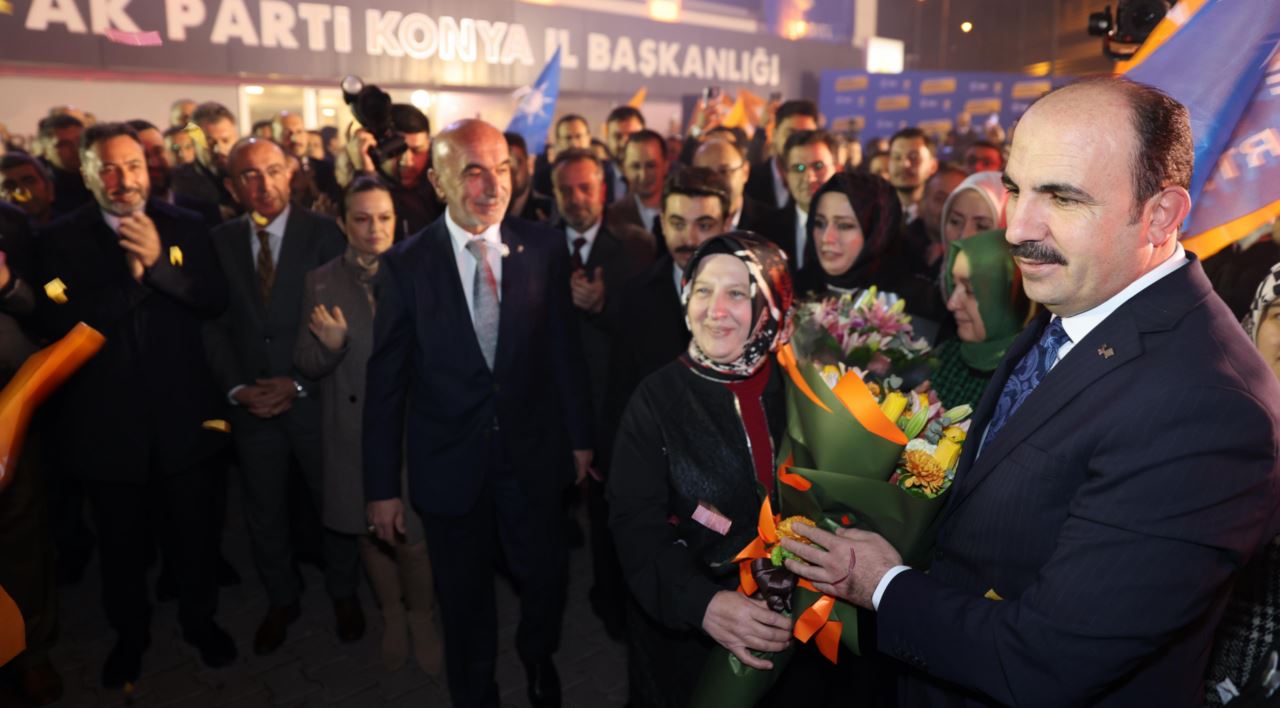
{"points": [[1222, 65], [537, 105]]}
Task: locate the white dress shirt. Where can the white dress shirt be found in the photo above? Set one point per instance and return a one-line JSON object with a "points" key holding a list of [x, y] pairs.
{"points": [[802, 236], [780, 192], [648, 217], [467, 262], [275, 231], [112, 220], [589, 235], [1077, 328], [678, 273]]}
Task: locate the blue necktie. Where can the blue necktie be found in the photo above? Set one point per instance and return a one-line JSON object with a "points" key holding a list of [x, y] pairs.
{"points": [[484, 301], [1027, 375]]}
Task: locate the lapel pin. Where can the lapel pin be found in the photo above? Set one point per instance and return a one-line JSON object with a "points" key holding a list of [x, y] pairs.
{"points": [[56, 290], [1106, 352], [175, 256], [520, 248]]}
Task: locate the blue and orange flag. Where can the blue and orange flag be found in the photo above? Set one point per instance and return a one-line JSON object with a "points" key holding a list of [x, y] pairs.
{"points": [[537, 106], [1221, 59]]}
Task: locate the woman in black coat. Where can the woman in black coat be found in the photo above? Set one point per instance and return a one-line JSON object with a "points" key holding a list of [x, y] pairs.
{"points": [[693, 460]]}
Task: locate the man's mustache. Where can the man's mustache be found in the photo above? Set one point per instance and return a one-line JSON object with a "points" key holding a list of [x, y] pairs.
{"points": [[1036, 252]]}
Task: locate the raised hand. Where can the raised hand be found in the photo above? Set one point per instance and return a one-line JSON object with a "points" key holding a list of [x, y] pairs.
{"points": [[329, 327]]}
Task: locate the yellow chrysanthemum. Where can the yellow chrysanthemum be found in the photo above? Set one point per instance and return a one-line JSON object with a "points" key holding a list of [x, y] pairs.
{"points": [[785, 531], [924, 472]]}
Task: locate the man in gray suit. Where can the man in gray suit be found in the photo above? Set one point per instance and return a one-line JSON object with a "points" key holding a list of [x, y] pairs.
{"points": [[265, 254]]}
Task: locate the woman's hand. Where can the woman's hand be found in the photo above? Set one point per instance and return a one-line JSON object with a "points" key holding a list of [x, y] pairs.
{"points": [[329, 328], [741, 625]]}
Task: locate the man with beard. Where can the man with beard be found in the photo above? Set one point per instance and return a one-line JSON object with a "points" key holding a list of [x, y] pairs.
{"points": [[695, 207], [619, 126], [602, 262], [160, 174], [274, 418], [525, 203], [912, 161], [416, 202], [132, 423], [645, 165], [203, 179], [314, 178]]}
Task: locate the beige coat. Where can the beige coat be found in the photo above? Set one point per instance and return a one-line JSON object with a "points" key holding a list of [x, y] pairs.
{"points": [[341, 376]]}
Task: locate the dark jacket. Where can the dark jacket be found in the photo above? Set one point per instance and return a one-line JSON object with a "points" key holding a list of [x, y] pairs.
{"points": [[141, 401], [251, 341], [1111, 513], [431, 396], [682, 442]]}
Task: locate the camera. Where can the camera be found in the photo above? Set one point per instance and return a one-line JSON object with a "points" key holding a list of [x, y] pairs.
{"points": [[372, 107], [1133, 22]]}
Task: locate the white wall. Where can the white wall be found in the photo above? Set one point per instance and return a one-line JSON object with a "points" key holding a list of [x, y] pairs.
{"points": [[28, 99]]}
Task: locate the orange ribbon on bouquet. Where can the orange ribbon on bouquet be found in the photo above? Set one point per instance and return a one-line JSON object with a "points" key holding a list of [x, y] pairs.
{"points": [[852, 392], [816, 620]]}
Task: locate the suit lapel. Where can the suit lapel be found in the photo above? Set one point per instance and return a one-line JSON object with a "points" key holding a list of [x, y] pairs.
{"points": [[239, 243], [1111, 345], [514, 274], [289, 270], [451, 297]]}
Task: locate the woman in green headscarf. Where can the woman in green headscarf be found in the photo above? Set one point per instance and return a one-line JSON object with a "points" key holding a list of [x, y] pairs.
{"points": [[984, 292]]}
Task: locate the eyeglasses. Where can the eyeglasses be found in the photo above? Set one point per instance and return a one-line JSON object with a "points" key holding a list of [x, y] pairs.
{"points": [[252, 176], [800, 168]]}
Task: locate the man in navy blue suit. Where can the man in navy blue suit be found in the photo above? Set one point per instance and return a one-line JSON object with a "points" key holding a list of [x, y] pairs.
{"points": [[478, 376], [1121, 467]]}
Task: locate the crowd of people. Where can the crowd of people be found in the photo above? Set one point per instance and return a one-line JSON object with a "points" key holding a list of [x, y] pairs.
{"points": [[416, 368]]}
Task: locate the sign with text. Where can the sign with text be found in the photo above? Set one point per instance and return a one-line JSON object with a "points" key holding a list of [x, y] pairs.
{"points": [[476, 43]]}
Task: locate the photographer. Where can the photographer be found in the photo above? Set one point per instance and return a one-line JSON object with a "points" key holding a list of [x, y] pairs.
{"points": [[406, 173]]}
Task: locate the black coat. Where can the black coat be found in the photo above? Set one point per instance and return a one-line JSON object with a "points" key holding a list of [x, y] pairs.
{"points": [[139, 404], [1111, 513], [682, 442], [431, 401], [651, 335]]}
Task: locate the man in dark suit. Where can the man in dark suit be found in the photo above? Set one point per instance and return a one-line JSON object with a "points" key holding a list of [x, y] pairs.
{"points": [[59, 139], [729, 160], [695, 205], [601, 262], [810, 157], [274, 419], [477, 375], [160, 174], [139, 418], [768, 181], [314, 178], [1120, 469], [204, 178], [525, 202], [644, 162]]}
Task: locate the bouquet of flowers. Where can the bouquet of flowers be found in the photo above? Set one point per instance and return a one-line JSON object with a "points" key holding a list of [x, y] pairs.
{"points": [[867, 445]]}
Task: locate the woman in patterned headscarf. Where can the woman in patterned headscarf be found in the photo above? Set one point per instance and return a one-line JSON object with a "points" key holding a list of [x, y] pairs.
{"points": [[1244, 655], [693, 458]]}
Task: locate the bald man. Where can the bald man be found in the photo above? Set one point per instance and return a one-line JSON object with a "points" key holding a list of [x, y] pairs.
{"points": [[729, 160], [313, 178], [274, 418], [494, 428]]}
